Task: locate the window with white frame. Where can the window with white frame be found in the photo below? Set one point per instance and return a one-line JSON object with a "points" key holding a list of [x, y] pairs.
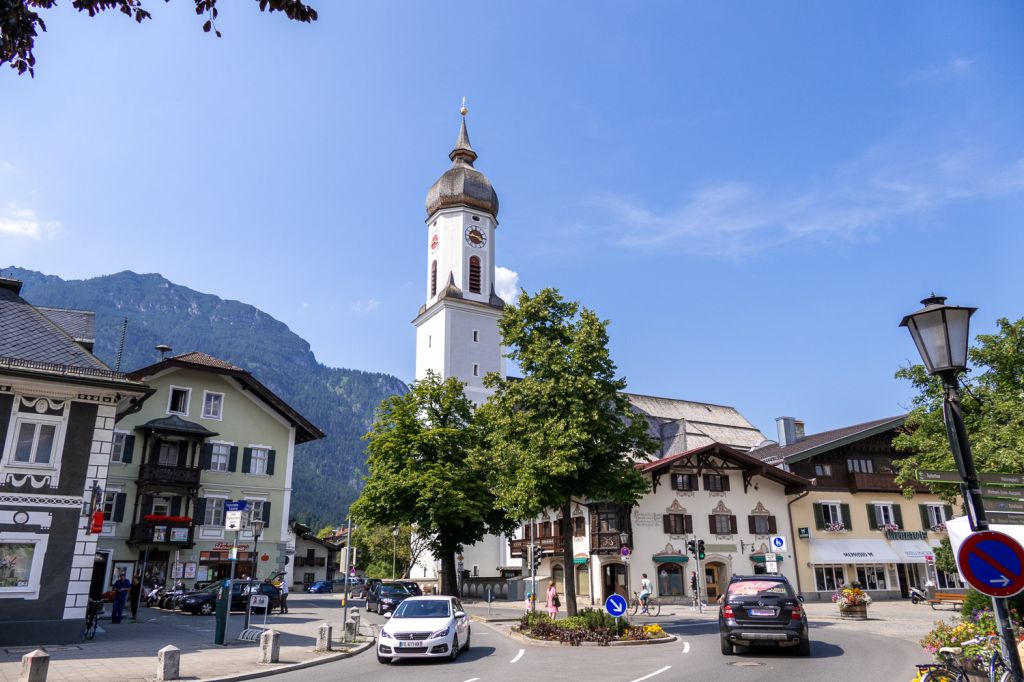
{"points": [[213, 514], [822, 469], [21, 562], [258, 461], [872, 577], [35, 440], [828, 578], [162, 506], [220, 455], [169, 454], [109, 503], [860, 466], [117, 447], [177, 402], [256, 509], [722, 524], [213, 404], [936, 515], [949, 581], [832, 513], [884, 515]]}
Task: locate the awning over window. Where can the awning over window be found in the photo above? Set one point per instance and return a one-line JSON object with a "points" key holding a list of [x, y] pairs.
{"points": [[912, 551], [670, 558], [852, 552], [581, 560]]}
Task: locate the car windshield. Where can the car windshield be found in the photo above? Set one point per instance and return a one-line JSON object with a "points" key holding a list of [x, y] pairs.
{"points": [[758, 588], [393, 590], [433, 608]]}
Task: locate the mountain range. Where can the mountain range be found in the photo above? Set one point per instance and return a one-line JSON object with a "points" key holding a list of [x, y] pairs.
{"points": [[339, 401]]}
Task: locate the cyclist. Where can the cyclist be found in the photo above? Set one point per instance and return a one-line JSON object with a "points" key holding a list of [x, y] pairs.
{"points": [[645, 591]]}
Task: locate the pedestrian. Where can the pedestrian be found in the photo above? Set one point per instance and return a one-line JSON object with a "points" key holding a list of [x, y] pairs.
{"points": [[120, 588], [694, 590], [284, 596], [134, 595], [552, 600], [645, 591], [529, 601]]}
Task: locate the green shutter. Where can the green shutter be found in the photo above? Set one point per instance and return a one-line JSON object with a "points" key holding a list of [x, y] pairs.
{"points": [[183, 453], [233, 459], [200, 514], [872, 519], [819, 516], [206, 460], [270, 462], [847, 523], [129, 445], [119, 500], [266, 514], [175, 506], [897, 515], [947, 510], [246, 460], [925, 522]]}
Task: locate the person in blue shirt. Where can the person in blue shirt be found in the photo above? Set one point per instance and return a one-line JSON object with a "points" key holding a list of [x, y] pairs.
{"points": [[120, 587]]}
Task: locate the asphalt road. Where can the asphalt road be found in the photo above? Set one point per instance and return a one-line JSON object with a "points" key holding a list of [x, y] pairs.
{"points": [[836, 652]]}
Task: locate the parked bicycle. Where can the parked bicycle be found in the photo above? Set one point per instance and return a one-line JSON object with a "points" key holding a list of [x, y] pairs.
{"points": [[952, 668], [92, 618], [653, 608]]}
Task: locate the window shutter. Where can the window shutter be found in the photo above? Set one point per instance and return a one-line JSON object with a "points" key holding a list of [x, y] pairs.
{"points": [[154, 452], [233, 459], [725, 482], [129, 445], [270, 462], [119, 500], [819, 516], [673, 481], [183, 453], [693, 482], [925, 521], [947, 511], [897, 515], [207, 459], [688, 524], [200, 515], [751, 522], [872, 518], [772, 527], [666, 523], [707, 478], [175, 506], [732, 525], [246, 460], [847, 522], [711, 523], [266, 514]]}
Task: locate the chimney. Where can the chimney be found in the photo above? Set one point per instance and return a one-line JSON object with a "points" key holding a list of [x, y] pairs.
{"points": [[11, 283], [798, 427], [788, 430]]}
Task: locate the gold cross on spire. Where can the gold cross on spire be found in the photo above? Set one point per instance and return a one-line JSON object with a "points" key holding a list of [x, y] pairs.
{"points": [[463, 110]]}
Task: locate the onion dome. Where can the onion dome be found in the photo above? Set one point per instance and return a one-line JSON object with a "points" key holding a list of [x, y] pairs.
{"points": [[462, 185]]}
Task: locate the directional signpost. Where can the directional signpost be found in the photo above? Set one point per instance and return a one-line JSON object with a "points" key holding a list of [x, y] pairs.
{"points": [[993, 563], [615, 605]]}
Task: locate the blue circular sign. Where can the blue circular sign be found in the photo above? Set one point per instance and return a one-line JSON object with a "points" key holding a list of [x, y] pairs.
{"points": [[615, 605], [777, 542]]}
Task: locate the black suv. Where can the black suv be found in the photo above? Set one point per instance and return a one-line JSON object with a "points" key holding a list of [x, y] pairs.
{"points": [[762, 610], [384, 597], [205, 601]]}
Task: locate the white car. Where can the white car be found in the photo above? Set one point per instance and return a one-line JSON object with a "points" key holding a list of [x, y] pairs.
{"points": [[424, 627]]}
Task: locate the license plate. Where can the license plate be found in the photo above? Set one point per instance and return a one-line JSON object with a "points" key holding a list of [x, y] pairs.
{"points": [[762, 612], [410, 645]]}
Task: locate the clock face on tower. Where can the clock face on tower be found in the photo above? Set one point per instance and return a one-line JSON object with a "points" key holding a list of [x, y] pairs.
{"points": [[475, 237], [434, 241]]}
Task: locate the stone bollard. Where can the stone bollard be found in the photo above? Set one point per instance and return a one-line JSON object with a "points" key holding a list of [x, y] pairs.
{"points": [[34, 666], [168, 663], [352, 626], [270, 646], [323, 637]]}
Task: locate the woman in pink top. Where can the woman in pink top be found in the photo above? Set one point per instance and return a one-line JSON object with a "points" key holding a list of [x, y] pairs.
{"points": [[552, 600]]}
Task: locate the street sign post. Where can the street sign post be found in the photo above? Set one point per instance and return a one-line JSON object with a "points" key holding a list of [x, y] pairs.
{"points": [[234, 514], [615, 605], [1003, 505], [1005, 518], [1013, 493], [778, 543], [939, 476], [993, 563]]}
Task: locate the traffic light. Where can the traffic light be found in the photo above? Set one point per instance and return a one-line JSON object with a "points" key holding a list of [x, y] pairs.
{"points": [[536, 558], [692, 547], [700, 549]]}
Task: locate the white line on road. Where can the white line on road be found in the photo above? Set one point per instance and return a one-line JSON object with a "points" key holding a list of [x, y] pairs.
{"points": [[656, 672], [518, 656], [473, 679], [686, 647]]}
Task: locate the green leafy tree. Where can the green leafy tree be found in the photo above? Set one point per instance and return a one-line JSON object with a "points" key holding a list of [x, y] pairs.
{"points": [[379, 547], [993, 407], [20, 22], [325, 532], [426, 470], [564, 431]]}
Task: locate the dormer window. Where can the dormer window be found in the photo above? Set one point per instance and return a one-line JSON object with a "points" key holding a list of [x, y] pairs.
{"points": [[474, 275]]}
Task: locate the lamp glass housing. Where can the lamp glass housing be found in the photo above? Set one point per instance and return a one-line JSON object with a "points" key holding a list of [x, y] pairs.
{"points": [[623, 537], [941, 334]]}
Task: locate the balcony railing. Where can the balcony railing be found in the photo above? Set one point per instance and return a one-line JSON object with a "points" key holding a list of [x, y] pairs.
{"points": [[176, 533], [608, 541], [548, 545], [169, 475], [311, 561], [862, 482]]}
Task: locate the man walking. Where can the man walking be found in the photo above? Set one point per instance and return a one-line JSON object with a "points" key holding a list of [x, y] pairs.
{"points": [[120, 587], [284, 596]]}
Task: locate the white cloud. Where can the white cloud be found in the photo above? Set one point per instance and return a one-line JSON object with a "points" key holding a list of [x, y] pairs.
{"points": [[954, 67], [732, 219], [23, 222], [506, 284], [367, 306]]}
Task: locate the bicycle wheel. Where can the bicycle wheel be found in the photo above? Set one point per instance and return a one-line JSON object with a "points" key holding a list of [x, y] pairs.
{"points": [[90, 626], [634, 604], [653, 607], [943, 675]]}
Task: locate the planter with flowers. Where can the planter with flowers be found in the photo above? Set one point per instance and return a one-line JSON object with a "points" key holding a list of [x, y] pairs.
{"points": [[852, 602], [835, 527]]}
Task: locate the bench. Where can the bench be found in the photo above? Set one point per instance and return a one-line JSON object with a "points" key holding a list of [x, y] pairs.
{"points": [[951, 598]]}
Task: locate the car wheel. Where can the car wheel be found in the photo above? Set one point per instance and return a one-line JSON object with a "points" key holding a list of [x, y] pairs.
{"points": [[727, 647], [469, 634], [206, 608], [383, 660], [803, 648], [455, 648]]}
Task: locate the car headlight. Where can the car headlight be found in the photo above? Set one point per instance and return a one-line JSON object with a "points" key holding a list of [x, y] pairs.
{"points": [[441, 633]]}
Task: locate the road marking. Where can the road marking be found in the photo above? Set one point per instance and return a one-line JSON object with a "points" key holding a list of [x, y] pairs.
{"points": [[473, 679], [686, 647], [518, 656], [656, 672]]}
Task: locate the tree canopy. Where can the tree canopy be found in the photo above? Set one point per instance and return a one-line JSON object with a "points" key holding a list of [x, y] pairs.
{"points": [[563, 431], [20, 22], [993, 407], [426, 470]]}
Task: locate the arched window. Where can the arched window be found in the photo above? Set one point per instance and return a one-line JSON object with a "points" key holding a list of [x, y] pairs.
{"points": [[433, 278], [558, 575], [670, 580], [474, 274], [583, 580]]}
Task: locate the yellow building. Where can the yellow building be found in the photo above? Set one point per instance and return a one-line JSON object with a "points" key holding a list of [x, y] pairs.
{"points": [[854, 524]]}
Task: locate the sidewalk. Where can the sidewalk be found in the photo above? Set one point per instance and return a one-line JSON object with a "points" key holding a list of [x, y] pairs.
{"points": [[128, 651]]}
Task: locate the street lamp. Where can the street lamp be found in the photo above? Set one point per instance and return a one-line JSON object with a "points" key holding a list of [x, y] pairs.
{"points": [[256, 527], [394, 551], [941, 334], [624, 551]]}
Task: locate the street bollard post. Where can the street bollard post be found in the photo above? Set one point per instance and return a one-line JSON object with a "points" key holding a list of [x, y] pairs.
{"points": [[34, 666], [168, 663], [323, 637], [270, 646]]}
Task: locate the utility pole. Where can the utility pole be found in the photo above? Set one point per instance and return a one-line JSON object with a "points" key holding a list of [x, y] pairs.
{"points": [[344, 601]]}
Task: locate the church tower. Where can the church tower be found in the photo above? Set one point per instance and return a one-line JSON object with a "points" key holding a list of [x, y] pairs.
{"points": [[457, 327]]}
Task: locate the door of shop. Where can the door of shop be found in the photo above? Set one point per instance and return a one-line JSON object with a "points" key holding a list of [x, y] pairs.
{"points": [[614, 580], [713, 572], [905, 571]]}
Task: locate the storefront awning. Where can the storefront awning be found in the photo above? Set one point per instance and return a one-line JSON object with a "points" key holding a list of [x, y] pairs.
{"points": [[670, 558], [581, 560], [913, 551], [852, 552]]}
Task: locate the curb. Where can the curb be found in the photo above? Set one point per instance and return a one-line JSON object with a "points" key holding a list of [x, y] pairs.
{"points": [[549, 643], [485, 619], [292, 666]]}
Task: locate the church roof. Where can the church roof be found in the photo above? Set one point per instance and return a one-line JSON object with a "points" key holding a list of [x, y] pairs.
{"points": [[462, 184]]}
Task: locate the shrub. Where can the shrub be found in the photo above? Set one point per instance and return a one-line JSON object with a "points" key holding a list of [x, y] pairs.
{"points": [[975, 601], [589, 626]]}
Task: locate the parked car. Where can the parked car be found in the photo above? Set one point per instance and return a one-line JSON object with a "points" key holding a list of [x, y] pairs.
{"points": [[384, 597], [758, 610], [319, 586], [205, 601], [421, 627], [368, 585], [356, 585], [413, 587]]}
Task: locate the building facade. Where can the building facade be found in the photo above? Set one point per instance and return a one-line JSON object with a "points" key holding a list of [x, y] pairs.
{"points": [[58, 405], [211, 433], [312, 558], [855, 524]]}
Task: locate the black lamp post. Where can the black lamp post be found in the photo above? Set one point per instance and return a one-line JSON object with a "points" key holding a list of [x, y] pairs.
{"points": [[941, 334], [625, 551]]}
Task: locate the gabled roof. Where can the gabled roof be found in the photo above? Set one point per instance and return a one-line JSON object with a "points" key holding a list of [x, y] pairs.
{"points": [[685, 424], [78, 324], [817, 443], [792, 482], [304, 429]]}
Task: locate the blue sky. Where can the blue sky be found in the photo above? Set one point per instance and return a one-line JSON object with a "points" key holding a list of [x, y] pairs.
{"points": [[753, 193]]}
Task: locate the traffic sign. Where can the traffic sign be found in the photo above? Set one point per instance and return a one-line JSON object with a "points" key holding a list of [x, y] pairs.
{"points": [[1002, 479], [234, 514], [259, 601], [1000, 491], [939, 476], [770, 556], [615, 605], [1005, 518], [993, 563], [778, 543], [771, 567], [1003, 505]]}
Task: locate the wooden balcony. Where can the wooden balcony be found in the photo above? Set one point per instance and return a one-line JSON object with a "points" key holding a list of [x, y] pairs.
{"points": [[862, 482], [608, 542], [171, 533], [548, 545], [166, 474]]}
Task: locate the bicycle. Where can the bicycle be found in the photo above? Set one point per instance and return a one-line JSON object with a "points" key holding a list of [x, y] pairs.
{"points": [[92, 618], [653, 608], [952, 670]]}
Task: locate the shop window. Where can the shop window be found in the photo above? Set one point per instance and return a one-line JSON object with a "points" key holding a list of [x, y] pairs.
{"points": [[828, 578], [582, 580], [871, 577], [670, 580], [558, 576], [949, 581]]}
